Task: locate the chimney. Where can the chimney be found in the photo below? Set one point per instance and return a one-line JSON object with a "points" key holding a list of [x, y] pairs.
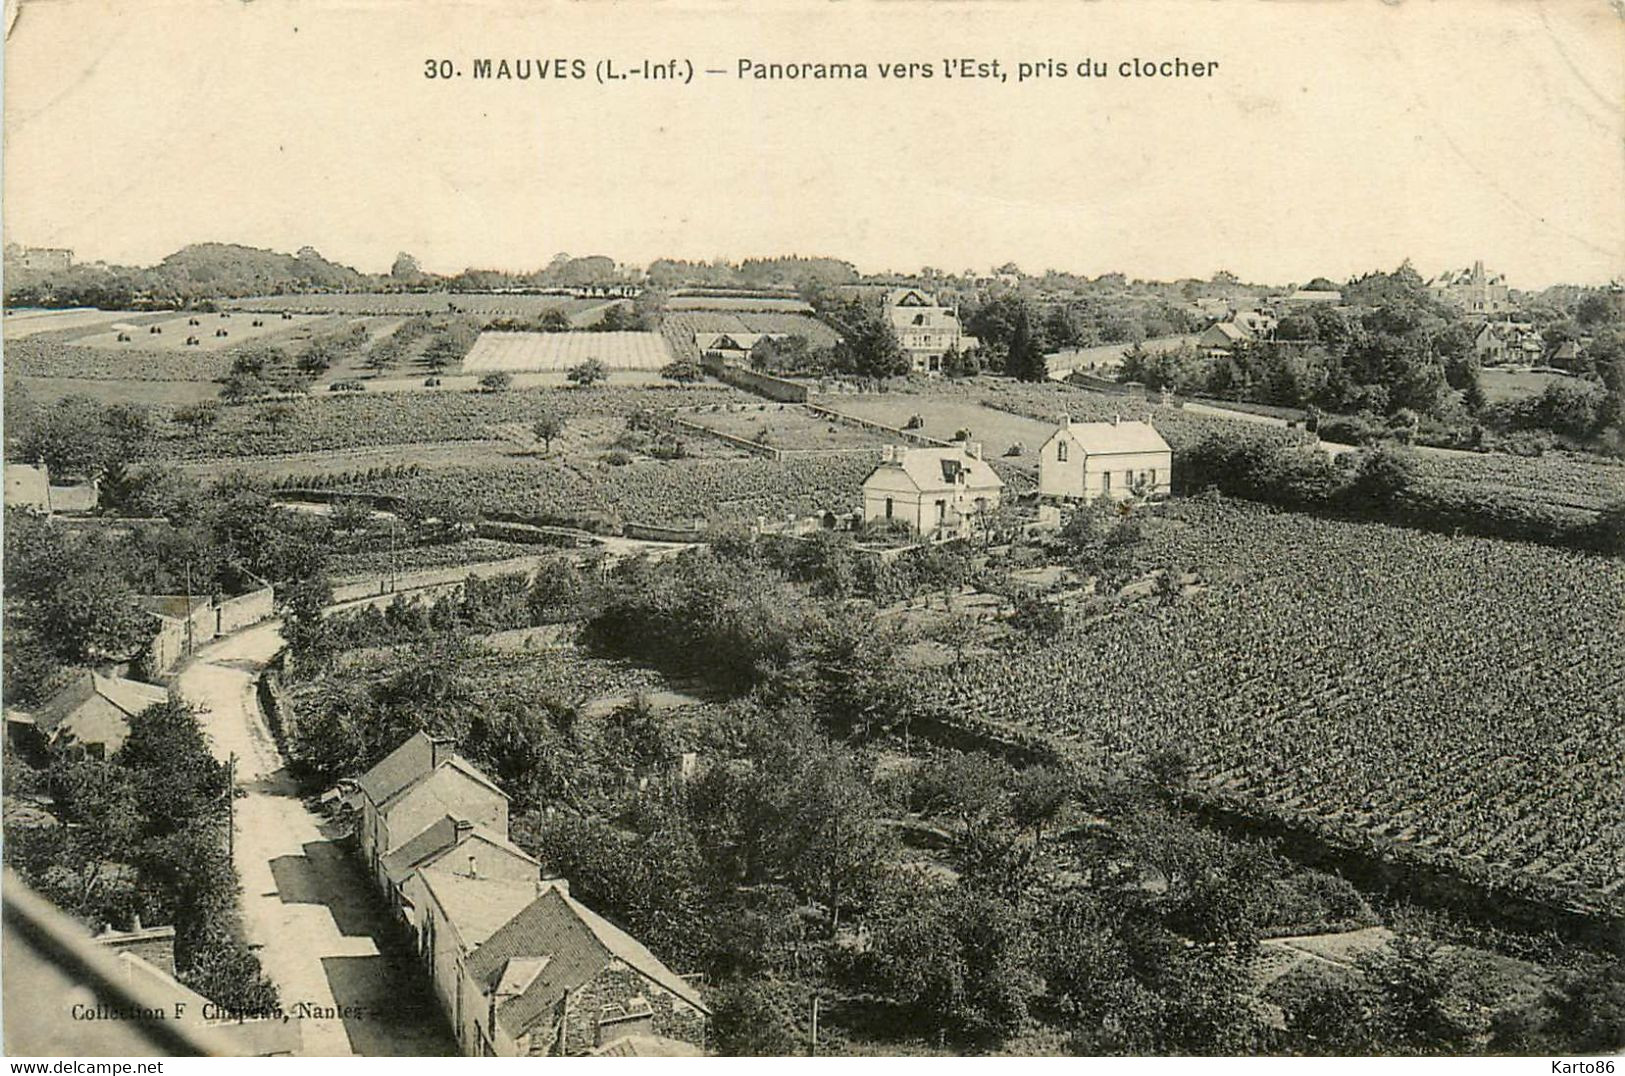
{"points": [[473, 866], [1116, 418], [441, 748], [973, 449], [1066, 419], [463, 827]]}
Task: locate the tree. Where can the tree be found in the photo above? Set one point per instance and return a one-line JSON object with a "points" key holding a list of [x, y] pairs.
{"points": [[1422, 999], [496, 381], [747, 1024], [198, 416], [1026, 359], [351, 515], [587, 373], [546, 427], [683, 371], [1037, 797], [405, 268], [277, 416]]}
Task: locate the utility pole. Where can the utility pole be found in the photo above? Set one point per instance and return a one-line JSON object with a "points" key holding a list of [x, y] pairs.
{"points": [[231, 807], [190, 644], [814, 1044]]}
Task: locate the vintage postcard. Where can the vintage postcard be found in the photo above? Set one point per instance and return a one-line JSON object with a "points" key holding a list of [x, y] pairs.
{"points": [[869, 529]]}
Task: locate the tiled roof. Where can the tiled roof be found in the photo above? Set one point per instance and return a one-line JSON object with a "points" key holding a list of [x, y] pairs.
{"points": [[579, 944], [455, 762], [399, 768], [437, 838], [97, 709]]}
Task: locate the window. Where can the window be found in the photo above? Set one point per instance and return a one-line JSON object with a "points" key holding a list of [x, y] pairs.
{"points": [[942, 511], [888, 507], [1106, 481], [1060, 452]]}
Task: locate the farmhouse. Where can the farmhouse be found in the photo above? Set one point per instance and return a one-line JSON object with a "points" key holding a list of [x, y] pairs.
{"points": [[91, 714], [525, 970], [937, 491], [1085, 460], [925, 330], [1222, 337]]}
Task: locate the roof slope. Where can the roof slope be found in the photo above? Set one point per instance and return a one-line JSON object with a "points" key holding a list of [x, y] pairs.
{"points": [[1109, 438], [478, 907], [401, 767], [96, 708], [935, 470], [437, 838], [455, 762], [579, 944]]}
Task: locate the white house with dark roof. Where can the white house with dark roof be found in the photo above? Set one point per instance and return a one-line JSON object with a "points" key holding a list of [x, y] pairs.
{"points": [[1117, 459], [939, 492]]}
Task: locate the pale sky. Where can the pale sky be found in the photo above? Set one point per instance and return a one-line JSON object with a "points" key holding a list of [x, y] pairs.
{"points": [[1336, 137]]}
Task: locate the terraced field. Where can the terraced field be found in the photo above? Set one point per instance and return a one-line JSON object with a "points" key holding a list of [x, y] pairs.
{"points": [[408, 303]]}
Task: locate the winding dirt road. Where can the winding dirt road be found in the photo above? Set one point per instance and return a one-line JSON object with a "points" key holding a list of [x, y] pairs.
{"points": [[321, 932]]}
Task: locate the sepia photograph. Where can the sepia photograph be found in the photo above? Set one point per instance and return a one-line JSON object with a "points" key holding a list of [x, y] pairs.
{"points": [[966, 529]]}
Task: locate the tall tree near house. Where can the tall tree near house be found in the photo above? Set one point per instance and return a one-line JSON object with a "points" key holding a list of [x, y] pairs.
{"points": [[1026, 359]]}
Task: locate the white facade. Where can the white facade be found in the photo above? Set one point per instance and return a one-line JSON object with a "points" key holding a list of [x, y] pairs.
{"points": [[925, 330], [1085, 460], [939, 492]]}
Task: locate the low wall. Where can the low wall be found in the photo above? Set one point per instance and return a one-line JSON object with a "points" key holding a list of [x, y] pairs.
{"points": [[914, 437], [234, 614], [742, 377]]}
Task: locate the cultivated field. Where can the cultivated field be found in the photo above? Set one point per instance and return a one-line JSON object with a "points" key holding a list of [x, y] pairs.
{"points": [[786, 426], [27, 322], [1106, 357], [1463, 697], [1502, 383], [408, 303], [172, 333], [560, 351], [678, 493], [738, 303], [332, 422], [997, 430]]}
